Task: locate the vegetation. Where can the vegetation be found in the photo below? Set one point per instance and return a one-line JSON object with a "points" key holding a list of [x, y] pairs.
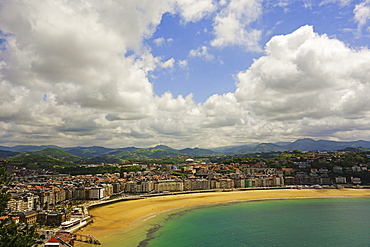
{"points": [[100, 159], [131, 169], [12, 234], [141, 154], [80, 170], [288, 155], [7, 154], [38, 162], [56, 153]]}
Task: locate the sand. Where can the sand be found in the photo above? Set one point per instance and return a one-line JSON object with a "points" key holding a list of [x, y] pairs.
{"points": [[130, 218]]}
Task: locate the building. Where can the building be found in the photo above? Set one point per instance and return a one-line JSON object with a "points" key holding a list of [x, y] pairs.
{"points": [[265, 182], [53, 242], [197, 184], [259, 170], [28, 217], [340, 180], [96, 193], [81, 193], [356, 180], [168, 185], [221, 184], [52, 218]]}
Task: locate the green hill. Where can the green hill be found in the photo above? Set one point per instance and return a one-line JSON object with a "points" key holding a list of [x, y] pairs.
{"points": [[147, 154], [7, 154], [33, 161], [57, 153], [197, 151], [93, 151]]}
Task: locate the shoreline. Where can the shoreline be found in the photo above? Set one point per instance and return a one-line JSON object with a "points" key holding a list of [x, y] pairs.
{"points": [[132, 219]]}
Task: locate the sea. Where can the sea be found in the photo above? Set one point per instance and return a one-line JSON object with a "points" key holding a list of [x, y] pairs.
{"points": [[278, 222], [289, 222]]}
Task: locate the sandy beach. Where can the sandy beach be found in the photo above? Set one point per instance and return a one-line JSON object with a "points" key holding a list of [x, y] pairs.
{"points": [[130, 218]]}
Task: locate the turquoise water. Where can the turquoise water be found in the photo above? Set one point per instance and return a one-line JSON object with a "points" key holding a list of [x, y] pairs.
{"points": [[302, 222]]}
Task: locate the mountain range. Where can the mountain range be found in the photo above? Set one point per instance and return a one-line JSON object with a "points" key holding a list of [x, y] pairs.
{"points": [[73, 153]]}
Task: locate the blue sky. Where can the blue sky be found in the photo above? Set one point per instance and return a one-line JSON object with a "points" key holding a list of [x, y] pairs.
{"points": [[184, 73], [204, 78]]}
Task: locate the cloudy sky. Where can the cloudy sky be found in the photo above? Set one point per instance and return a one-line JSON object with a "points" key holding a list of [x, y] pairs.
{"points": [[183, 73]]}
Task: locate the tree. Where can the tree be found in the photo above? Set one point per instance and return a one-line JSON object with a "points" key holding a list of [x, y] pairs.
{"points": [[12, 234]]}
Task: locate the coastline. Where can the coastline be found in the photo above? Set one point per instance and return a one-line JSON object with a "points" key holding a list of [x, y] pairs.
{"points": [[130, 220]]}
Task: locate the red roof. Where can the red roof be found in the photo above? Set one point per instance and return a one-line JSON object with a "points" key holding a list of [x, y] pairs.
{"points": [[53, 240]]}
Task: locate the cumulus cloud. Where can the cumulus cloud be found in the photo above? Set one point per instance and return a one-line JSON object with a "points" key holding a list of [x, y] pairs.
{"points": [[76, 51], [232, 25], [307, 76], [75, 54], [76, 73]]}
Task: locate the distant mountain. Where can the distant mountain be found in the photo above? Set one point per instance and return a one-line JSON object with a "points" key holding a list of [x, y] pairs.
{"points": [[305, 144], [252, 148], [235, 149], [33, 161], [162, 147], [119, 150], [308, 144], [4, 148], [265, 147], [197, 151], [27, 148], [88, 151], [143, 153], [56, 153], [282, 143], [97, 154], [7, 154]]}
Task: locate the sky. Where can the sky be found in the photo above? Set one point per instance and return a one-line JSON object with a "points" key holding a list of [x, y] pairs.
{"points": [[183, 73]]}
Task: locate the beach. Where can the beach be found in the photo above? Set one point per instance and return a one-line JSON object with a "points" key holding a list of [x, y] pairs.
{"points": [[130, 218]]}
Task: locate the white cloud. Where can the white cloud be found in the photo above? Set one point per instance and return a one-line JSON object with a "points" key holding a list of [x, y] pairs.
{"points": [[232, 25], [75, 54], [162, 41], [194, 10], [283, 3], [307, 3], [159, 42], [305, 75], [183, 63], [202, 52], [169, 63], [362, 14], [342, 3]]}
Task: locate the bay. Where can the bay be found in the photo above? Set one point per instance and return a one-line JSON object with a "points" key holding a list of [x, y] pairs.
{"points": [[291, 222]]}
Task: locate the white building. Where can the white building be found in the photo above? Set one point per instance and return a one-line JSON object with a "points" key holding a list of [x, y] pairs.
{"points": [[96, 193]]}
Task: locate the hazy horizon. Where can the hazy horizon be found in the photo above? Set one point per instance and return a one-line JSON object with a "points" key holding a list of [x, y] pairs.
{"points": [[183, 73]]}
